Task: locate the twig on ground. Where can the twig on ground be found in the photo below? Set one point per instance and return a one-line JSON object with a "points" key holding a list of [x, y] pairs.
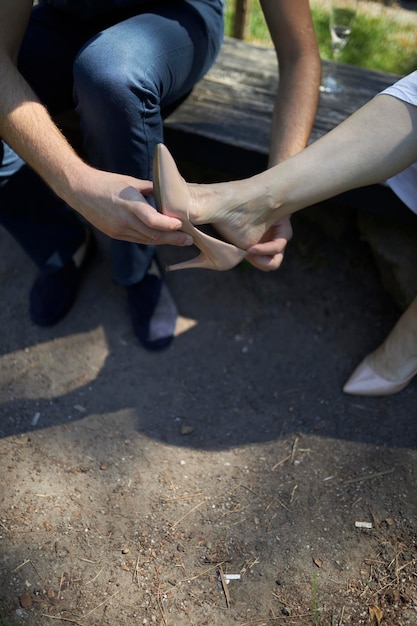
{"points": [[61, 580], [195, 576], [368, 477], [195, 507], [374, 518], [284, 460], [25, 563], [96, 576], [160, 605], [21, 565], [282, 504], [189, 496], [5, 528], [406, 565], [136, 571], [281, 601], [294, 489], [255, 493], [224, 585], [101, 603], [260, 621], [294, 449], [290, 457], [63, 619]]}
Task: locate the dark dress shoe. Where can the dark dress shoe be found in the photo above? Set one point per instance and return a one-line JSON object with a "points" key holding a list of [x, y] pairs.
{"points": [[55, 289], [152, 309]]}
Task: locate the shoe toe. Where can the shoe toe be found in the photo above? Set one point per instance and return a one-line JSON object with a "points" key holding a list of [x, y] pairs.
{"points": [[364, 381]]}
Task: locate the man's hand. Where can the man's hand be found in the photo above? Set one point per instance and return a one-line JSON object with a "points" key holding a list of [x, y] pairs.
{"points": [[268, 254], [117, 205]]}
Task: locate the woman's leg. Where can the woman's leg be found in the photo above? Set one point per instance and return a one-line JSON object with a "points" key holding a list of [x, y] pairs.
{"points": [[390, 367], [396, 358], [375, 143]]}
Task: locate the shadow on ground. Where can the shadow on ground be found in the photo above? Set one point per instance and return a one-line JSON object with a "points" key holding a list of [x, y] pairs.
{"points": [[132, 479]]}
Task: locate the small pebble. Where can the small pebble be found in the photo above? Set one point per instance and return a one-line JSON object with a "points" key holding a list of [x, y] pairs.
{"points": [[26, 600], [35, 419], [186, 429]]}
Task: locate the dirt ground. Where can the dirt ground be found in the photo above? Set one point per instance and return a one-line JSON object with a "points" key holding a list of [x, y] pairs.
{"points": [[135, 484]]}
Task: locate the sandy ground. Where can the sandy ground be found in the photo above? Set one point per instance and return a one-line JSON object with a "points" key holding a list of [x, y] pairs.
{"points": [[134, 484]]}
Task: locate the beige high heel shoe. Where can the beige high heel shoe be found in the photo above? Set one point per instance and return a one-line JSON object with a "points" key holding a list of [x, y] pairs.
{"points": [[399, 350], [172, 198]]}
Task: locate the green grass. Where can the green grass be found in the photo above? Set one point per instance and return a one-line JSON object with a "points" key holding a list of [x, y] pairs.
{"points": [[377, 42], [315, 612]]}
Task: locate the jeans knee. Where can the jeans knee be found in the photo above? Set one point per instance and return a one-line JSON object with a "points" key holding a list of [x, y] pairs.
{"points": [[112, 85]]}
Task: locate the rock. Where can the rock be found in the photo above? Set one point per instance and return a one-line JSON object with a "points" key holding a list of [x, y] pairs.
{"points": [[393, 244], [26, 600], [187, 429]]}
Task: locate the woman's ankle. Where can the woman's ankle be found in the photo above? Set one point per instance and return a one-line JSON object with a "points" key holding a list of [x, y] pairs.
{"points": [[393, 362]]}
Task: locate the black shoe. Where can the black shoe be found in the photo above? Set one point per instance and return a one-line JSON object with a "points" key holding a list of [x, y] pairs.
{"points": [[55, 289], [152, 310]]}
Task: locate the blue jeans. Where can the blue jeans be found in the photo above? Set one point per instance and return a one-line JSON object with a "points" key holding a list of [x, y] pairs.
{"points": [[121, 72]]}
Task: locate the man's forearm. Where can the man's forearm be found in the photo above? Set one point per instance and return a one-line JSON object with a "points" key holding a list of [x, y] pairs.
{"points": [[27, 127], [295, 110]]}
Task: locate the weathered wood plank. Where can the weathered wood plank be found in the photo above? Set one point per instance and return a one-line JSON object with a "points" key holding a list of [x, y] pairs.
{"points": [[226, 120]]}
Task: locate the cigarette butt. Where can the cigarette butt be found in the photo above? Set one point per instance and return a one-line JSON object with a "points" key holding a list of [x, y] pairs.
{"points": [[363, 525]]}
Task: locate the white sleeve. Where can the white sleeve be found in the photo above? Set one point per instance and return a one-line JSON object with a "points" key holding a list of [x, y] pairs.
{"points": [[404, 89], [404, 184]]}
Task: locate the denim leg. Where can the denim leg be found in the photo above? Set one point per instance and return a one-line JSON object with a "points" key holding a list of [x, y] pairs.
{"points": [[33, 215], [123, 79]]}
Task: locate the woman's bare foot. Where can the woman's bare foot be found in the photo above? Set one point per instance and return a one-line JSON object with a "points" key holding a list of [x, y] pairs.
{"points": [[243, 212], [235, 209]]}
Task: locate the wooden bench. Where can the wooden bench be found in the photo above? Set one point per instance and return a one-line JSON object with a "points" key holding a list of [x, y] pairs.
{"points": [[225, 122]]}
